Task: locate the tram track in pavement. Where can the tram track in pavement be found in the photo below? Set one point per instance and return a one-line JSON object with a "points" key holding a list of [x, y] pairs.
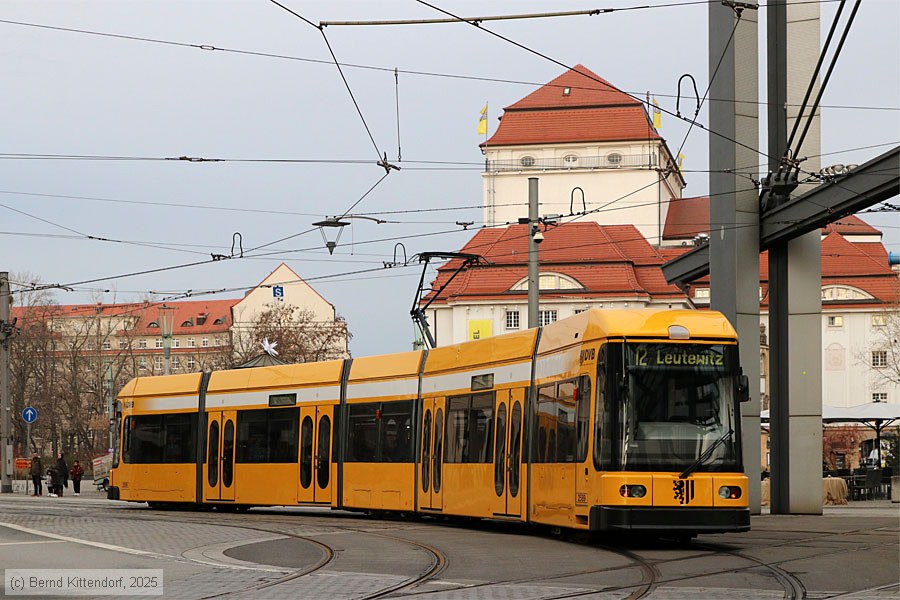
{"points": [[793, 587], [437, 559]]}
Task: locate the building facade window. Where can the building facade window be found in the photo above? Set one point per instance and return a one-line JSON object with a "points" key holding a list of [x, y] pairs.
{"points": [[570, 160], [512, 319], [191, 343], [176, 362], [176, 343], [578, 311], [835, 321], [879, 397], [191, 363], [107, 345], [122, 344], [158, 363], [701, 294], [550, 281], [879, 358], [159, 343], [879, 320], [547, 317], [204, 342], [142, 362], [218, 342], [614, 158], [527, 161], [142, 344]]}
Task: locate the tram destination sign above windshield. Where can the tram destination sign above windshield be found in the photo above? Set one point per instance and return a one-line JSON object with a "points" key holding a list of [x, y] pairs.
{"points": [[658, 355]]}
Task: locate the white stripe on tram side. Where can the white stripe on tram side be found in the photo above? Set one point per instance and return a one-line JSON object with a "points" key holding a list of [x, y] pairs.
{"points": [[383, 389], [564, 363], [327, 393], [503, 375]]}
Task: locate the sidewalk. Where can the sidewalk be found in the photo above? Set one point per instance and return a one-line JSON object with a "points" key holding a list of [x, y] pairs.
{"points": [[88, 489]]}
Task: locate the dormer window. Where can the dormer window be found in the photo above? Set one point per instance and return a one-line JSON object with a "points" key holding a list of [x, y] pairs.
{"points": [[201, 318], [219, 321], [570, 160], [188, 323], [527, 161], [567, 91], [614, 158], [153, 325]]}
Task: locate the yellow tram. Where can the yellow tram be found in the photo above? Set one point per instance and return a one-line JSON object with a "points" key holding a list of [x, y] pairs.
{"points": [[608, 420]]}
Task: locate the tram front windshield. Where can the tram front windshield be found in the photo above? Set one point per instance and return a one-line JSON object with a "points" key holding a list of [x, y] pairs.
{"points": [[676, 404]]}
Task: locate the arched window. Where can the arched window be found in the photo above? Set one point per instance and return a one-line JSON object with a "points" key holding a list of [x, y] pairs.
{"points": [[570, 161], [614, 158], [842, 293], [527, 161], [550, 281]]}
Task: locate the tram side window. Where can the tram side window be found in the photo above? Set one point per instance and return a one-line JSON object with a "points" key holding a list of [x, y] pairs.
{"points": [[126, 439], [380, 432], [604, 419], [160, 439], [470, 429], [584, 416], [557, 438], [268, 435]]}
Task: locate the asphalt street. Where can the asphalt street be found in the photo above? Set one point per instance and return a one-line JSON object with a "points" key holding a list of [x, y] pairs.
{"points": [[850, 552]]}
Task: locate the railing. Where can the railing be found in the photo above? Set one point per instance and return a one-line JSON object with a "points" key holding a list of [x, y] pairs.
{"points": [[610, 161]]}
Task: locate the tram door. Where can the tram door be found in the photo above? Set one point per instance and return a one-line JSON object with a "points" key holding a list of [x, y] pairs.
{"points": [[508, 452], [432, 459], [315, 454], [220, 432]]}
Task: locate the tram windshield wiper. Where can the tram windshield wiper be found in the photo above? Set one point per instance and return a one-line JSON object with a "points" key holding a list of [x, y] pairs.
{"points": [[706, 454]]}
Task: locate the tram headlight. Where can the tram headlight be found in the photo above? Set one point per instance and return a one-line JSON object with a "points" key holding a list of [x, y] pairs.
{"points": [[632, 491], [729, 492]]}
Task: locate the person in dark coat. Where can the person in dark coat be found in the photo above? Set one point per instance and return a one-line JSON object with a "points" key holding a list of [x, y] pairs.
{"points": [[77, 473], [62, 471], [37, 472]]}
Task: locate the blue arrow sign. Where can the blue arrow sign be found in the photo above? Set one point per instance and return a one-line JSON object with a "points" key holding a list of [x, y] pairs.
{"points": [[29, 414]]}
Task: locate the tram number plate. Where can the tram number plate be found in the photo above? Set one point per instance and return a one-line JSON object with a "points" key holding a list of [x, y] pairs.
{"points": [[580, 498]]}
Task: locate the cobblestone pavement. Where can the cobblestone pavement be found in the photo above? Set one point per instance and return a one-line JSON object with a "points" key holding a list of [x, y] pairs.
{"points": [[852, 554]]}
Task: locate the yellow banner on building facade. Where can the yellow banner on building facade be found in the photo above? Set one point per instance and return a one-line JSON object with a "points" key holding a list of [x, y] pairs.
{"points": [[480, 329]]}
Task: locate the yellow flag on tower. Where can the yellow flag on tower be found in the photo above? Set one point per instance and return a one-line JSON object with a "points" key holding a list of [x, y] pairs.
{"points": [[482, 121], [657, 115], [680, 160]]}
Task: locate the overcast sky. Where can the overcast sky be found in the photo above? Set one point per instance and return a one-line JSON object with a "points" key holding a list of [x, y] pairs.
{"points": [[66, 93]]}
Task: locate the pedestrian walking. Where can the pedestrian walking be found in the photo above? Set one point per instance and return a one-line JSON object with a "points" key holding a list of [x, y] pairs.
{"points": [[37, 472], [77, 473], [62, 471]]}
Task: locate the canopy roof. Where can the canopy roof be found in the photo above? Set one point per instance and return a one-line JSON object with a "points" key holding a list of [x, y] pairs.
{"points": [[861, 413]]}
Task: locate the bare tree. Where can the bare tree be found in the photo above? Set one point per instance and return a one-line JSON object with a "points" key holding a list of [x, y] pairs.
{"points": [[884, 357], [299, 336], [840, 440]]}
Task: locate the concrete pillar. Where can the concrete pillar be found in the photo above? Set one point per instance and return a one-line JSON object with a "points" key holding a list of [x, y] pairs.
{"points": [[795, 277], [734, 207]]}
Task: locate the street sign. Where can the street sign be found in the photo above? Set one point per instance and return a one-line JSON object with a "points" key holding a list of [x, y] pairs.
{"points": [[29, 414], [278, 293]]}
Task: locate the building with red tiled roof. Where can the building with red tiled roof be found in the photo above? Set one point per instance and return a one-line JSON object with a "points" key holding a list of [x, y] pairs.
{"points": [[594, 150], [592, 146], [204, 334], [582, 265]]}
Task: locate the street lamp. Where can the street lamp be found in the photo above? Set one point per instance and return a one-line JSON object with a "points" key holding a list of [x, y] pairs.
{"points": [[339, 224], [166, 322]]}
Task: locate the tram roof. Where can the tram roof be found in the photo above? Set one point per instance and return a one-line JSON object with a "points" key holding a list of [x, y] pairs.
{"points": [[281, 376], [647, 323], [173, 385], [402, 364]]}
